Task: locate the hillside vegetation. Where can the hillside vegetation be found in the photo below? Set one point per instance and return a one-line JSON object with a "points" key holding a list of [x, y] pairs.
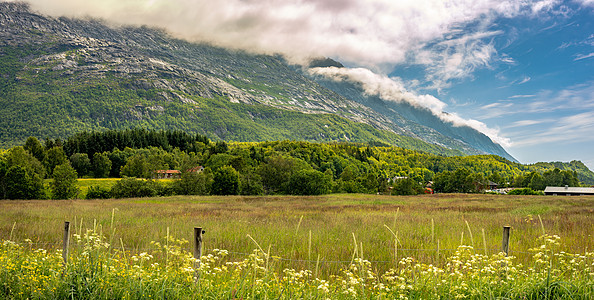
{"points": [[202, 167]]}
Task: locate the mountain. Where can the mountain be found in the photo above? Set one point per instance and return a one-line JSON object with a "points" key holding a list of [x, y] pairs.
{"points": [[416, 122], [61, 76]]}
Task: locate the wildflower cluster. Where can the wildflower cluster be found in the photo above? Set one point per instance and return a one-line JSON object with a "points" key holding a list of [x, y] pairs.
{"points": [[96, 270]]}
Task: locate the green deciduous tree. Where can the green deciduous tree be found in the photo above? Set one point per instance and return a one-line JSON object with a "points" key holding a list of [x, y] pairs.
{"points": [[226, 181], [34, 146], [118, 159], [98, 192], [309, 182], [251, 183], [460, 181], [277, 171], [407, 186], [3, 170], [18, 156], [137, 166], [22, 183], [557, 177], [101, 165], [54, 157], [537, 182], [64, 184], [193, 183], [81, 163]]}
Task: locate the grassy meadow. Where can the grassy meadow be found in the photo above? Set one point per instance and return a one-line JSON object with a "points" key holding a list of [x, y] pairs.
{"points": [[85, 183], [105, 183], [303, 228], [287, 247]]}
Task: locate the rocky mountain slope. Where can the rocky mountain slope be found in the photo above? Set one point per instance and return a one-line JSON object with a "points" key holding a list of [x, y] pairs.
{"points": [[422, 123], [61, 75]]}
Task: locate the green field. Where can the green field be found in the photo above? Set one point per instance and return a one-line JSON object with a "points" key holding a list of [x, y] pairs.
{"points": [[324, 234], [284, 223], [105, 183], [85, 183]]}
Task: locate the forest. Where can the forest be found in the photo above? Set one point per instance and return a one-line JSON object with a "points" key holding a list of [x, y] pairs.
{"points": [[49, 169]]}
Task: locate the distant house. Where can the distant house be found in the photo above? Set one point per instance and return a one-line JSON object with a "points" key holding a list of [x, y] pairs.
{"points": [[166, 174], [568, 191], [197, 169], [396, 178], [492, 185]]}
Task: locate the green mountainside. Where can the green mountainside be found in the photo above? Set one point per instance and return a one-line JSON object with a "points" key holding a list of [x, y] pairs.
{"points": [[61, 76], [34, 99]]}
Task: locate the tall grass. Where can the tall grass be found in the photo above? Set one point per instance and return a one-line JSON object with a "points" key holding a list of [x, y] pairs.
{"points": [[317, 232], [97, 270]]}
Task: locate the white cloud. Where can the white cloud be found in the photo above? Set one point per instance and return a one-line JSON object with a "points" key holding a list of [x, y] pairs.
{"points": [[583, 56], [507, 59], [545, 5], [585, 2], [390, 90], [456, 58], [524, 80], [496, 109], [524, 123], [521, 96], [557, 118], [367, 33], [573, 128]]}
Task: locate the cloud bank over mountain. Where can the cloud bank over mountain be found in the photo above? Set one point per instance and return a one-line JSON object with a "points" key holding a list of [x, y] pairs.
{"points": [[366, 33], [391, 90]]}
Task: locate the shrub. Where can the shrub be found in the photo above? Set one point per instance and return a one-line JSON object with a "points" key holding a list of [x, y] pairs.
{"points": [[98, 192], [525, 191], [130, 187]]}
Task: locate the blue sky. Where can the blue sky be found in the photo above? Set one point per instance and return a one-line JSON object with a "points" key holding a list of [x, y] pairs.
{"points": [[536, 88], [519, 71]]}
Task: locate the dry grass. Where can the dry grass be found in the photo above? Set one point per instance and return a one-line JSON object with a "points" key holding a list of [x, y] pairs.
{"points": [[284, 223]]}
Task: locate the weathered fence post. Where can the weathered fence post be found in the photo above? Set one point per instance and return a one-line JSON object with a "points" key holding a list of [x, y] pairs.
{"points": [[66, 242], [505, 242], [197, 248]]}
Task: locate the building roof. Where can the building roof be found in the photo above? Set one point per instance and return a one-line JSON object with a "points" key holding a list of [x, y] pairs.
{"points": [[569, 190], [168, 171], [195, 169]]}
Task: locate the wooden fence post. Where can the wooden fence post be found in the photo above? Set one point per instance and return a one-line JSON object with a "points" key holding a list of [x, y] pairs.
{"points": [[505, 242], [66, 242], [197, 248]]}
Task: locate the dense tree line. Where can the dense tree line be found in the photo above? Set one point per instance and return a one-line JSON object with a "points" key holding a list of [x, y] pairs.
{"points": [[279, 167], [105, 141]]}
